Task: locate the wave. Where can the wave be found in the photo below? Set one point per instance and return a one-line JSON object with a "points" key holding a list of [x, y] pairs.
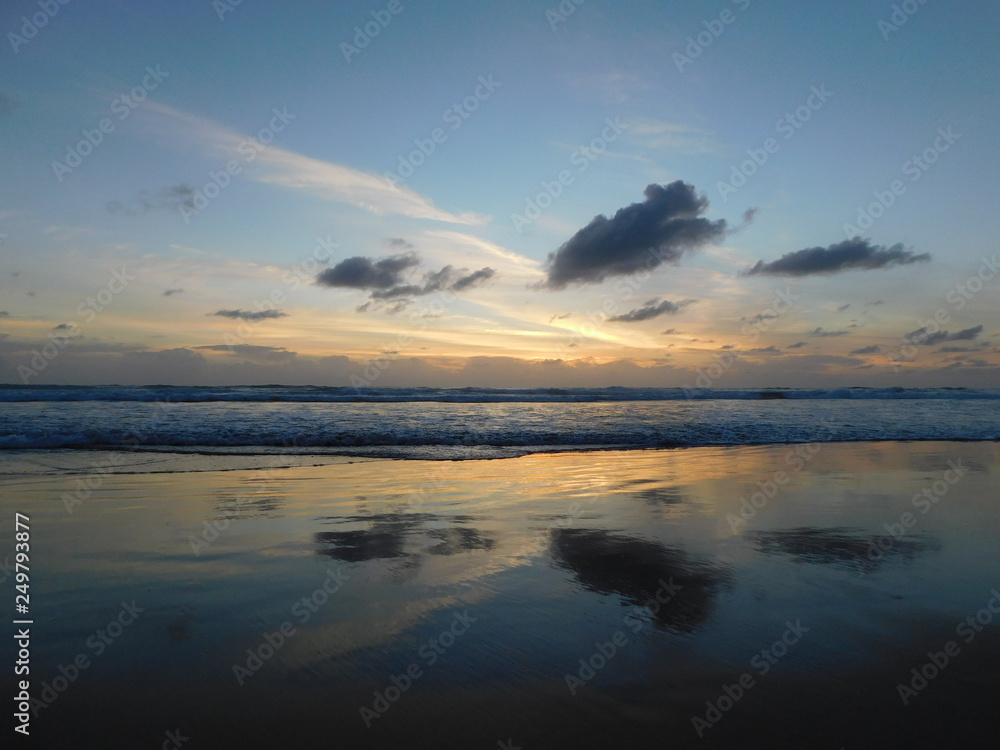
{"points": [[12, 393]]}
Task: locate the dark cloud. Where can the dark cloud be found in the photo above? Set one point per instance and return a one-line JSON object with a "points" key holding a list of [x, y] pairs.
{"points": [[873, 349], [250, 315], [559, 317], [473, 279], [848, 255], [841, 308], [652, 309], [640, 236], [264, 353], [385, 279], [172, 198], [963, 349], [671, 332], [447, 279], [820, 333], [399, 242], [766, 350], [922, 337], [365, 273], [798, 345], [171, 292], [4, 314], [759, 317]]}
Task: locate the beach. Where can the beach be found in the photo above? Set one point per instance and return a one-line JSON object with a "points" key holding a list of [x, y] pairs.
{"points": [[777, 596]]}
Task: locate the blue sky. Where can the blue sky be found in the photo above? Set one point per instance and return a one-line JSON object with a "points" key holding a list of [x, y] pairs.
{"points": [[516, 102]]}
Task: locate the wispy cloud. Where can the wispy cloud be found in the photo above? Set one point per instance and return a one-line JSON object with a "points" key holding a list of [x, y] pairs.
{"points": [[277, 166], [250, 315], [652, 309]]}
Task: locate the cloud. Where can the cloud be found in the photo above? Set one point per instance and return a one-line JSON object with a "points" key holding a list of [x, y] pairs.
{"points": [[652, 309], [365, 273], [963, 349], [250, 315], [473, 279], [798, 345], [766, 350], [671, 332], [640, 236], [841, 308], [171, 198], [873, 349], [820, 333], [399, 242], [252, 351], [273, 165], [760, 317], [848, 255], [4, 314], [171, 292], [921, 336], [385, 279]]}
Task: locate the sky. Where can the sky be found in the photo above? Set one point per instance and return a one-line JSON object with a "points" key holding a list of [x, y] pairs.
{"points": [[726, 193]]}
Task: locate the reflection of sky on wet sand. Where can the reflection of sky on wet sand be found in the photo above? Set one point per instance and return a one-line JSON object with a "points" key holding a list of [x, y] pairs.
{"points": [[551, 553]]}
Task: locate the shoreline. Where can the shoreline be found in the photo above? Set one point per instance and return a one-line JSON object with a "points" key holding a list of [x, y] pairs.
{"points": [[17, 462]]}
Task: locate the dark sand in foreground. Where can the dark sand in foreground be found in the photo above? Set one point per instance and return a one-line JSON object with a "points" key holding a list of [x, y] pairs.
{"points": [[489, 581]]}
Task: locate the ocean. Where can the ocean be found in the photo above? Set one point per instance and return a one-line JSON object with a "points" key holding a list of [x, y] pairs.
{"points": [[476, 423]]}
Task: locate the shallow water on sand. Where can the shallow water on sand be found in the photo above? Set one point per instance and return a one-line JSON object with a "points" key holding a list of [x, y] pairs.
{"points": [[449, 604]]}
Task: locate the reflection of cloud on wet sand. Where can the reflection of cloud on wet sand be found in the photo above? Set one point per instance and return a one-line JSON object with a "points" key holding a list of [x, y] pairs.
{"points": [[387, 536], [839, 545], [634, 569]]}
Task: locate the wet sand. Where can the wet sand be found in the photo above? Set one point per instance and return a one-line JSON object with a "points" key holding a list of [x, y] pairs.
{"points": [[757, 597]]}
